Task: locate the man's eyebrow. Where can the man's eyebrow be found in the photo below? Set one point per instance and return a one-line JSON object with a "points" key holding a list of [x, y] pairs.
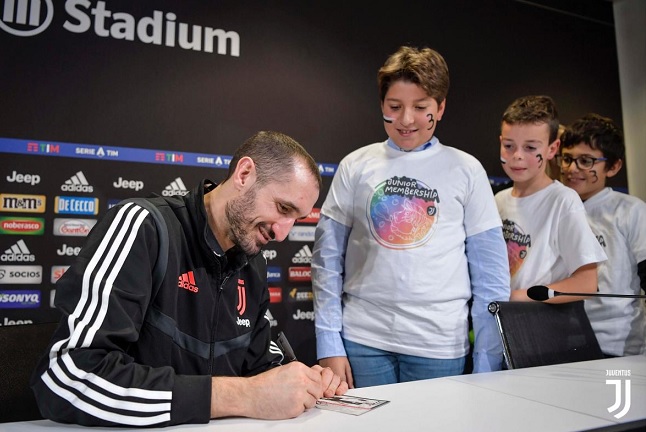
{"points": [[293, 207]]}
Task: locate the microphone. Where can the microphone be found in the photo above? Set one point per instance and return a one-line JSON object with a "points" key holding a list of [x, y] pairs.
{"points": [[542, 293]]}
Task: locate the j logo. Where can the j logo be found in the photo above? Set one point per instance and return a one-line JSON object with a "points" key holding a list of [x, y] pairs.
{"points": [[242, 297], [617, 404]]}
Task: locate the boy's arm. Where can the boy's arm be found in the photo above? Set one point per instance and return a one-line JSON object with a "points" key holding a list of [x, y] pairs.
{"points": [[583, 280]]}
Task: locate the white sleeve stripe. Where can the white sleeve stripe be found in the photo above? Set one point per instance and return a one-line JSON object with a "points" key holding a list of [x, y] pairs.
{"points": [[103, 259], [109, 280], [104, 399], [111, 387], [100, 413]]}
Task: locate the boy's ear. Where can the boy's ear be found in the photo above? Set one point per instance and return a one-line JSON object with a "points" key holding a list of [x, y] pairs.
{"points": [[614, 169], [553, 149]]}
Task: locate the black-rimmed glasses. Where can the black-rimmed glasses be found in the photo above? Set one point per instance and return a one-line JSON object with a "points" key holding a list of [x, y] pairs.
{"points": [[582, 162]]}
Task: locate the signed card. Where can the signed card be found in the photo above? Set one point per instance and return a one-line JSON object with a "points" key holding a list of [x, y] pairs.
{"points": [[349, 404]]}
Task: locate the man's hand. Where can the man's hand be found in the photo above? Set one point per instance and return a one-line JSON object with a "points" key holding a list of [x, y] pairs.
{"points": [[331, 383], [280, 393], [341, 367]]}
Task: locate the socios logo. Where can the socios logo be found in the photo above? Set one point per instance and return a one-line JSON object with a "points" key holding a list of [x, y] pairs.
{"points": [[26, 17]]}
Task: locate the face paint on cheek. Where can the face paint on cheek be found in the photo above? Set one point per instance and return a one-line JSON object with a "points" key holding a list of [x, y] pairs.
{"points": [[388, 119], [595, 177], [503, 160], [431, 121], [540, 159]]}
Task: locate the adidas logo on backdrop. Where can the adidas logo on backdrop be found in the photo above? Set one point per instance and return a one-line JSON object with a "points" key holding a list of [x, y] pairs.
{"points": [[303, 256], [176, 187], [18, 252], [77, 183]]}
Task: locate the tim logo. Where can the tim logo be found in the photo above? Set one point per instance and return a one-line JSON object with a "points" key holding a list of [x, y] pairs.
{"points": [[26, 17], [618, 393], [242, 297]]}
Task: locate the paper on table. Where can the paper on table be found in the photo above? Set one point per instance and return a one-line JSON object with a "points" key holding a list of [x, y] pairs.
{"points": [[349, 404]]}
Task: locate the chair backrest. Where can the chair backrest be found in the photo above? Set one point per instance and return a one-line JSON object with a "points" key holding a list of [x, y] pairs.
{"points": [[539, 334], [21, 347]]}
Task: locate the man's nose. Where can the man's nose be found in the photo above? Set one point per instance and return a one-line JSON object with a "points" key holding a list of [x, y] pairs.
{"points": [[281, 229]]}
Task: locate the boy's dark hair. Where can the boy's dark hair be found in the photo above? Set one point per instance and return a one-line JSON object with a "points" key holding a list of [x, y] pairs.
{"points": [[533, 110], [600, 133], [424, 67], [274, 154]]}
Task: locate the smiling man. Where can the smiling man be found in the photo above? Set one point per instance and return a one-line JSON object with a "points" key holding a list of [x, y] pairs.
{"points": [[140, 347]]}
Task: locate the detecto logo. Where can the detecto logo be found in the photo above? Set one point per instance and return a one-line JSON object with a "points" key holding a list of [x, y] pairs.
{"points": [[76, 205], [30, 18]]}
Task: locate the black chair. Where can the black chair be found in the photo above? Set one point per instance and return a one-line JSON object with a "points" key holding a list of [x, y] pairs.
{"points": [[21, 347], [539, 334]]}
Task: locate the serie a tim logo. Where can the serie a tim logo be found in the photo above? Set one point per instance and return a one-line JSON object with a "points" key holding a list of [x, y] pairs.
{"points": [[621, 397]]}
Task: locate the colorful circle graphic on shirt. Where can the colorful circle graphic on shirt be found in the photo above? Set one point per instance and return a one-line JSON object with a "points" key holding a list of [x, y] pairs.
{"points": [[402, 213], [518, 244]]}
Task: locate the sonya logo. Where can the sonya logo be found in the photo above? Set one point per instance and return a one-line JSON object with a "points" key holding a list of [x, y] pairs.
{"points": [[619, 399], [14, 299], [22, 203], [77, 183], [242, 298], [22, 225]]}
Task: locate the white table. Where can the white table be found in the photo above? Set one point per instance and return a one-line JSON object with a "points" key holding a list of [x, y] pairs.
{"points": [[565, 397]]}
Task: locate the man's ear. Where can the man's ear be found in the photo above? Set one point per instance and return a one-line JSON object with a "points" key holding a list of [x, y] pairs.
{"points": [[245, 173], [614, 169]]}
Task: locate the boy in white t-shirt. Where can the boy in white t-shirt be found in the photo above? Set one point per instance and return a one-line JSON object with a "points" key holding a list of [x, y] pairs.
{"points": [[593, 151], [549, 242]]}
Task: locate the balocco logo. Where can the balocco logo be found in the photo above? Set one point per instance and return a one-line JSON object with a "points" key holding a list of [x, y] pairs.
{"points": [[19, 21], [31, 17]]}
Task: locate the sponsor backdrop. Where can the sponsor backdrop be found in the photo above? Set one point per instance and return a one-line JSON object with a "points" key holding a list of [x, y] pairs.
{"points": [[106, 100]]}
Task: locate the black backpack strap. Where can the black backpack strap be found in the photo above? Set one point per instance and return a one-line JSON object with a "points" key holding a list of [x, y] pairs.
{"points": [[162, 232]]}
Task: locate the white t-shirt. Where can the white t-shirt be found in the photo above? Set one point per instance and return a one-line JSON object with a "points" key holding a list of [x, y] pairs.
{"points": [[619, 222], [406, 282], [547, 235]]}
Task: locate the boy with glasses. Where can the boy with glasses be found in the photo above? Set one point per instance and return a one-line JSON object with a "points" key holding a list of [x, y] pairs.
{"points": [[593, 151], [549, 242]]}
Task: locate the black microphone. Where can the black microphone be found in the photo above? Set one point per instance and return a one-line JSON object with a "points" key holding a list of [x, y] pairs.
{"points": [[542, 293]]}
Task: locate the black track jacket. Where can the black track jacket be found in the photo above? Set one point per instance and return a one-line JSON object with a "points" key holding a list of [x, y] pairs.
{"points": [[128, 354]]}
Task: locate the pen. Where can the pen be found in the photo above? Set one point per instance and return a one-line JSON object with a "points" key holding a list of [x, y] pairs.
{"points": [[285, 347]]}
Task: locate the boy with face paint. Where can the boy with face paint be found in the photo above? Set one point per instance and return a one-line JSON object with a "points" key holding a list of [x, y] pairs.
{"points": [[593, 151], [409, 233], [548, 239]]}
